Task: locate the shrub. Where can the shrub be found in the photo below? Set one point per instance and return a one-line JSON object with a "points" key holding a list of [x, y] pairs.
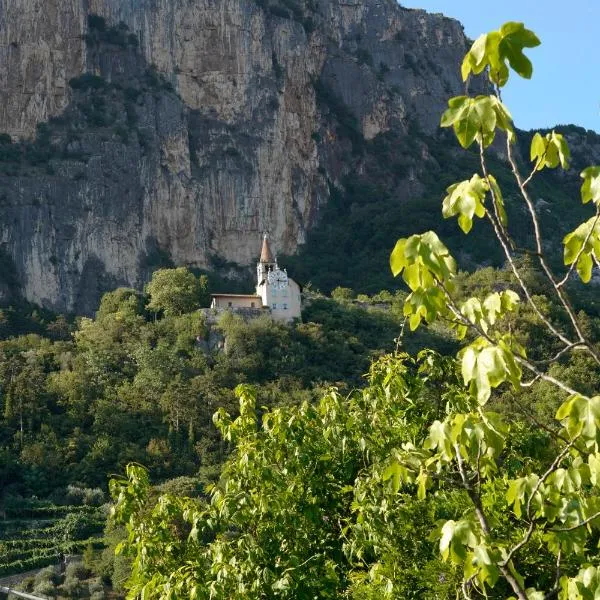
{"points": [[95, 587], [76, 570], [48, 574], [342, 294], [78, 526], [89, 496], [45, 588], [72, 587]]}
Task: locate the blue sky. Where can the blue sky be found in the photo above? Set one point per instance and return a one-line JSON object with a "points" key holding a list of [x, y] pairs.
{"points": [[565, 87]]}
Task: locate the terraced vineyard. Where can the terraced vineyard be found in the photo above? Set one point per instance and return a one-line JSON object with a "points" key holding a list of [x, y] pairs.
{"points": [[38, 534]]}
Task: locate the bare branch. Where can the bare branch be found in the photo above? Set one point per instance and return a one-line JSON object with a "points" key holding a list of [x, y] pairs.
{"points": [[582, 524], [503, 238], [531, 382], [563, 386], [522, 361], [527, 536], [510, 578], [533, 172], [540, 253]]}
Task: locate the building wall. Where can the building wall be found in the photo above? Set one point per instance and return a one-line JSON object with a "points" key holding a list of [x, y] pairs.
{"points": [[284, 303], [236, 302]]}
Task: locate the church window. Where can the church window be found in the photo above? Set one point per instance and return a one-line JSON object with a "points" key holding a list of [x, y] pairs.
{"points": [[251, 304], [230, 304], [284, 293], [274, 292], [274, 306], [284, 306]]}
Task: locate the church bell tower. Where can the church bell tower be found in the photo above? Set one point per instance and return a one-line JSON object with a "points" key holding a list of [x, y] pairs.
{"points": [[266, 262]]}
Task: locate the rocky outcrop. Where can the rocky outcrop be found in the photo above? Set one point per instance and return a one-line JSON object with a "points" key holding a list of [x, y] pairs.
{"points": [[178, 131]]}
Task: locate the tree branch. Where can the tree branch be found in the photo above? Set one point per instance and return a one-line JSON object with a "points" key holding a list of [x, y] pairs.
{"points": [[582, 524], [540, 252], [510, 578], [503, 238], [585, 241]]}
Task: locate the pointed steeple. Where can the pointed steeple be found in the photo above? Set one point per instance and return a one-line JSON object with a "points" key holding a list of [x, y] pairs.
{"points": [[266, 256]]}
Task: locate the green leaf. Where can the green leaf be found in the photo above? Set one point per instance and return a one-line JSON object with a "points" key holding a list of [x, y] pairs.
{"points": [[580, 416], [520, 490], [485, 366], [465, 199], [496, 48], [582, 245], [422, 481], [424, 262], [590, 189], [470, 124], [584, 267], [456, 537], [549, 151], [476, 119], [394, 472], [439, 439], [514, 37], [397, 258]]}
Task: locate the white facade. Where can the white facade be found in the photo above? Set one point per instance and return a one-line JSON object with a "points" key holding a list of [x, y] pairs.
{"points": [[283, 300], [279, 293], [275, 291]]}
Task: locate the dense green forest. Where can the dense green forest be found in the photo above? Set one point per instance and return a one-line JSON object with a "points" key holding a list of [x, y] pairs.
{"points": [[354, 453], [470, 473], [81, 398], [141, 380]]}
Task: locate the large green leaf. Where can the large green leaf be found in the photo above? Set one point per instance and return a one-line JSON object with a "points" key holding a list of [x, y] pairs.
{"points": [[590, 189], [465, 199], [549, 151], [582, 245], [580, 416], [477, 119], [495, 49], [456, 538], [485, 366], [424, 262]]}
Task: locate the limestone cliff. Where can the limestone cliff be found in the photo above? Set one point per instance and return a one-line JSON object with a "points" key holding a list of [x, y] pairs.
{"points": [[149, 131]]}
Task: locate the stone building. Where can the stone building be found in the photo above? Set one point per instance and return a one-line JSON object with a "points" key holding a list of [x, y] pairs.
{"points": [[276, 293]]}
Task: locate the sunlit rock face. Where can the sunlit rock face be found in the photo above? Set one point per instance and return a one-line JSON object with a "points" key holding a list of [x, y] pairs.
{"points": [[177, 131]]}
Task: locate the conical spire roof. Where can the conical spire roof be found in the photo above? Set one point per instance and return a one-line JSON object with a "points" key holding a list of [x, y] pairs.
{"points": [[266, 256]]}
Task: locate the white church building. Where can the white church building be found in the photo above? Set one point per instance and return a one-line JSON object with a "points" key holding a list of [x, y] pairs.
{"points": [[275, 291]]}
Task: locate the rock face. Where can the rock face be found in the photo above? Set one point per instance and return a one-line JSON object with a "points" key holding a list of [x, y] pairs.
{"points": [[149, 132]]}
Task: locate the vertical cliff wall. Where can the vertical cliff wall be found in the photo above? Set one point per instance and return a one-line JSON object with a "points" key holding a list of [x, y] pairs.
{"points": [[154, 131]]}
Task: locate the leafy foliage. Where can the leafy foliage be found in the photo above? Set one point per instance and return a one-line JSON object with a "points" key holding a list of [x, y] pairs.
{"points": [[177, 291], [316, 500], [493, 50]]}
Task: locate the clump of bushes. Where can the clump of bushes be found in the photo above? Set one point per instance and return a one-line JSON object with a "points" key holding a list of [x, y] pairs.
{"points": [[81, 495], [117, 35]]}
